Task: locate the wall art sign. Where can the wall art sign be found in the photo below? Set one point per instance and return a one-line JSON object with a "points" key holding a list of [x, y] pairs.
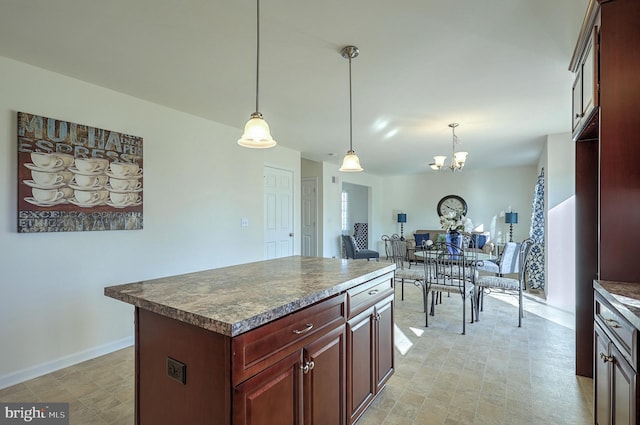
{"points": [[72, 177]]}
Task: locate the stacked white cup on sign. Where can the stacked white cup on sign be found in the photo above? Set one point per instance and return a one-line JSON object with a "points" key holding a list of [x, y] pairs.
{"points": [[49, 178], [88, 182], [124, 184]]}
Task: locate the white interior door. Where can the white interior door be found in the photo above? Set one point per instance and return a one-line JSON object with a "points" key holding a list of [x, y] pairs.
{"points": [[278, 212], [309, 201]]}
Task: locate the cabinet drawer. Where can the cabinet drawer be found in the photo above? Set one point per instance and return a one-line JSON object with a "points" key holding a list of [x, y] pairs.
{"points": [[622, 332], [260, 348], [364, 296]]}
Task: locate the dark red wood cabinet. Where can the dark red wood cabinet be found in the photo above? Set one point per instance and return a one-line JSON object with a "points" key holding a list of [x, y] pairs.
{"points": [[370, 340], [299, 369], [615, 367], [607, 151]]}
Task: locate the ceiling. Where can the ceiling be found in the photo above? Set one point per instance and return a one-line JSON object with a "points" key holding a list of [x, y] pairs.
{"points": [[497, 67]]}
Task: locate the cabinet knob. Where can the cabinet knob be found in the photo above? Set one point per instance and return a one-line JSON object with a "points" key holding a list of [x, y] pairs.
{"points": [[606, 358], [308, 366]]}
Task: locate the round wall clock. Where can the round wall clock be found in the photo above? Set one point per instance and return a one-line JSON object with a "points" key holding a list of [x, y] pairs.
{"points": [[452, 203]]}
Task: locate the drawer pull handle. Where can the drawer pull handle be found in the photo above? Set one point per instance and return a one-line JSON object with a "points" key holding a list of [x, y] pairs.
{"points": [[613, 323], [373, 292], [305, 330], [606, 358]]}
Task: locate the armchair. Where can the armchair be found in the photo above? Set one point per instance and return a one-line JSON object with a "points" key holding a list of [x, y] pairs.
{"points": [[352, 251]]}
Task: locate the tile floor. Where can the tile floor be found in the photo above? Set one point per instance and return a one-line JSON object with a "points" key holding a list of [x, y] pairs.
{"points": [[495, 374]]}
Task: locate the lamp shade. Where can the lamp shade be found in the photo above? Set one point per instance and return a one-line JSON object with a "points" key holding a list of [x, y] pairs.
{"points": [[402, 218], [511, 218]]}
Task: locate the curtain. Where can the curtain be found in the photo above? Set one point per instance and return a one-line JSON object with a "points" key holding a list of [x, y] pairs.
{"points": [[535, 262]]}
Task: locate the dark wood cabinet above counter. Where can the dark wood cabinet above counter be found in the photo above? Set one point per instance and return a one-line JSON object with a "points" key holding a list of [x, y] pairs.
{"points": [[585, 64]]}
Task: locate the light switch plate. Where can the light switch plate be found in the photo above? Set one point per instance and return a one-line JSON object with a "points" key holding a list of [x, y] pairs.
{"points": [[244, 222]]}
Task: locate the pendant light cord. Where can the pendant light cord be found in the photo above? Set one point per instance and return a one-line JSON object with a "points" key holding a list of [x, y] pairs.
{"points": [[257, 51], [350, 110]]}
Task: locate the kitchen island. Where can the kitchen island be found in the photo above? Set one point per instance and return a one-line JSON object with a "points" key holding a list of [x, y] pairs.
{"points": [[287, 341]]}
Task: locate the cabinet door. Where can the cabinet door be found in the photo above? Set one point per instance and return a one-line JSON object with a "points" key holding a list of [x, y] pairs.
{"points": [[360, 363], [576, 105], [384, 342], [624, 390], [324, 383], [274, 396], [588, 81], [602, 377]]}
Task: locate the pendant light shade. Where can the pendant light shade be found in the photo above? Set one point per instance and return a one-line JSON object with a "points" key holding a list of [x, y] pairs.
{"points": [[256, 130], [351, 162], [256, 133]]}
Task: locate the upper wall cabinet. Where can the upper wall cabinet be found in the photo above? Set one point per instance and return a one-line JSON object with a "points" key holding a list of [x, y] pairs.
{"points": [[585, 64]]}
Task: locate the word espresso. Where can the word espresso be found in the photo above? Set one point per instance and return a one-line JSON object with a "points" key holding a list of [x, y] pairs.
{"points": [[37, 413]]}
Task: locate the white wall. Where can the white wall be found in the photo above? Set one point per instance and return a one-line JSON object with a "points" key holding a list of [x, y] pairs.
{"points": [[487, 192], [52, 309], [559, 157]]}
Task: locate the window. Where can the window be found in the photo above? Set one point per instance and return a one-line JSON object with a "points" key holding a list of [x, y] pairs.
{"points": [[345, 212]]}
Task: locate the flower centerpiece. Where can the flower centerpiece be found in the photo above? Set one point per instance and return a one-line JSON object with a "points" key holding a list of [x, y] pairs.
{"points": [[453, 222]]}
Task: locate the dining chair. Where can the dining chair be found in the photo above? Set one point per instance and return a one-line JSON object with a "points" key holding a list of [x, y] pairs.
{"points": [[488, 283], [399, 257], [386, 239], [506, 263], [452, 269]]}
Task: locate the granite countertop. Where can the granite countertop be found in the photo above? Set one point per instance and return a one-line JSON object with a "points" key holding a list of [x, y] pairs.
{"points": [[233, 300], [624, 296]]}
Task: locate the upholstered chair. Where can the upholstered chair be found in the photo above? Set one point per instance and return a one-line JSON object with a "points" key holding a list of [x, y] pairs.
{"points": [[498, 282], [351, 250]]}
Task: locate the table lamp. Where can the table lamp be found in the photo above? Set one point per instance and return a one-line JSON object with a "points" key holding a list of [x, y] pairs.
{"points": [[402, 218], [511, 218]]}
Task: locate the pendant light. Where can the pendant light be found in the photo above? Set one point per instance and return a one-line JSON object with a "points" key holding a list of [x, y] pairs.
{"points": [[350, 163], [256, 131]]}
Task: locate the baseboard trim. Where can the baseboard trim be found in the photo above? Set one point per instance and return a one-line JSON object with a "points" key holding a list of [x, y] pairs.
{"points": [[66, 361]]}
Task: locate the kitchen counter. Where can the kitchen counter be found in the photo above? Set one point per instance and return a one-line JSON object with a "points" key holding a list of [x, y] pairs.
{"points": [[624, 296], [233, 300]]}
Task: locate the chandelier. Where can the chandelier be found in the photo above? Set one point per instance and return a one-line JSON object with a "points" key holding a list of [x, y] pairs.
{"points": [[457, 158]]}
